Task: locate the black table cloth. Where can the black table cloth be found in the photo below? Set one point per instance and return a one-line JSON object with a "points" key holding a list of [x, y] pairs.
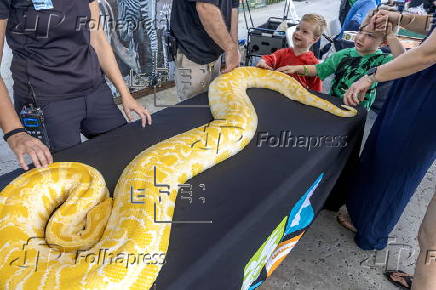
{"points": [[298, 152]]}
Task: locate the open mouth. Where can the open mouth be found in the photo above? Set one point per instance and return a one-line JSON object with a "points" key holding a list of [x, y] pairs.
{"points": [[297, 38]]}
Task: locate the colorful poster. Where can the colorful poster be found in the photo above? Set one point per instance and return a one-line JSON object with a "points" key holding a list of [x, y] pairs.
{"points": [[281, 241], [258, 261], [302, 213]]}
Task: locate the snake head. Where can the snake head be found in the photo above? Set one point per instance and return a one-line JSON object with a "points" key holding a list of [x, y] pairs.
{"points": [[349, 111]]}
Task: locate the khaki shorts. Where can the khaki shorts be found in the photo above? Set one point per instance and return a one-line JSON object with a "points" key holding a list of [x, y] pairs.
{"points": [[192, 78]]}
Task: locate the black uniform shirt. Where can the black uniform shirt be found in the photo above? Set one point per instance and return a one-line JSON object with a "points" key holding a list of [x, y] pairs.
{"points": [[51, 48], [191, 37]]}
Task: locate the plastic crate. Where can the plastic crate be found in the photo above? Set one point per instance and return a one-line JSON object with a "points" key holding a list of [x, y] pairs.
{"points": [[264, 39]]}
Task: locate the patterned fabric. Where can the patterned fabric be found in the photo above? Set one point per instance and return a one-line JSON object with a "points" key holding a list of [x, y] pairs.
{"points": [[139, 12]]}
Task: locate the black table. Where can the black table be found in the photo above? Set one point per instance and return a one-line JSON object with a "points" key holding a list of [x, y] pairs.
{"points": [[245, 197]]}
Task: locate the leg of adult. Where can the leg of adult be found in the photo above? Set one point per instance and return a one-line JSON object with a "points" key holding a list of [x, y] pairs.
{"points": [[192, 78], [397, 154], [62, 120], [102, 114], [425, 272], [338, 195]]}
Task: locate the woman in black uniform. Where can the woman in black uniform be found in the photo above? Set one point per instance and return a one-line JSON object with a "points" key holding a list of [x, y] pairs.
{"points": [[59, 59]]}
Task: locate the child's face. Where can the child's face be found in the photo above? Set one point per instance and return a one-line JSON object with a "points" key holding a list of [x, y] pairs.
{"points": [[303, 36], [367, 40]]}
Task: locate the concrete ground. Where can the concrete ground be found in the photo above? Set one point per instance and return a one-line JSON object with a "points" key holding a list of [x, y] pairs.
{"points": [[326, 257]]}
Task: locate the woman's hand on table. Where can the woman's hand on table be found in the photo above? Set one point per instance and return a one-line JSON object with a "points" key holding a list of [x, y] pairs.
{"points": [[131, 105], [22, 144], [356, 93]]}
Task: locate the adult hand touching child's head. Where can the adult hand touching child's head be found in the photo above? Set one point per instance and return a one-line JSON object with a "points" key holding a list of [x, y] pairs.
{"points": [[382, 17]]}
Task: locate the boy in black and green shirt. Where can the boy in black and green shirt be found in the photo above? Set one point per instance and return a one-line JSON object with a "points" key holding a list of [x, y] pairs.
{"points": [[349, 65]]}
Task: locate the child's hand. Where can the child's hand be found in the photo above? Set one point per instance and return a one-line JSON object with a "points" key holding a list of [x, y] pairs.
{"points": [[262, 64], [288, 69]]}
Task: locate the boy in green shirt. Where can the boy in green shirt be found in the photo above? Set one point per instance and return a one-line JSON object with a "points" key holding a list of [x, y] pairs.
{"points": [[349, 65]]}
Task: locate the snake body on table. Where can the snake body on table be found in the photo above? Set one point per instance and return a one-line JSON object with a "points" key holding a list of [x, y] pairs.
{"points": [[59, 229]]}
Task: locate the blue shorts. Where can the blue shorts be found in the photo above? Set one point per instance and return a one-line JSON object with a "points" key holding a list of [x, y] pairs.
{"points": [[91, 115]]}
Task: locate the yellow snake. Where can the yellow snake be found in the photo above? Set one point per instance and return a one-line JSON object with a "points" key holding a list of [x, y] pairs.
{"points": [[59, 227]]}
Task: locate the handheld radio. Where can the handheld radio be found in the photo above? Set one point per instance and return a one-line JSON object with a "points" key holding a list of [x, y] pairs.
{"points": [[32, 119]]}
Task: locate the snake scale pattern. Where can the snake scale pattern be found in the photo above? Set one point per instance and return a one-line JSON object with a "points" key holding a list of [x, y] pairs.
{"points": [[56, 221]]}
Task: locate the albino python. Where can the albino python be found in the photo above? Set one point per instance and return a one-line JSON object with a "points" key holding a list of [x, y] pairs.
{"points": [[56, 222]]}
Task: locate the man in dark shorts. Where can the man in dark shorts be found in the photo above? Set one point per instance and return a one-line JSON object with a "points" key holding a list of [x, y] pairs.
{"points": [[59, 60], [203, 29]]}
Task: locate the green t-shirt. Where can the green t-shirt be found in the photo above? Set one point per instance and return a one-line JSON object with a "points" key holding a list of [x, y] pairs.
{"points": [[349, 66]]}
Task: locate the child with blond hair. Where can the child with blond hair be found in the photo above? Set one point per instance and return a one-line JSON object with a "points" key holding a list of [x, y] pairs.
{"points": [[351, 64], [307, 33]]}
